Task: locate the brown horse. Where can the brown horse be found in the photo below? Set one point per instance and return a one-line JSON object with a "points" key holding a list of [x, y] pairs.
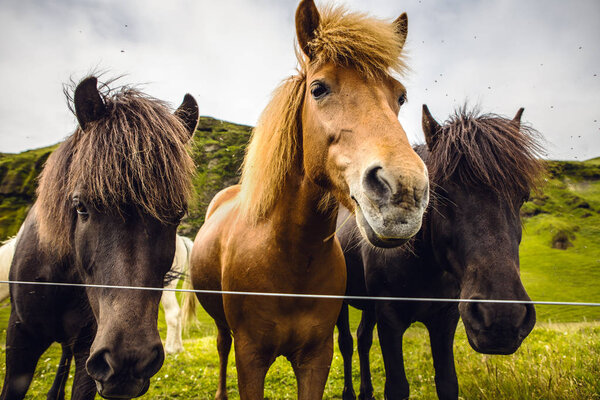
{"points": [[106, 196], [329, 134]]}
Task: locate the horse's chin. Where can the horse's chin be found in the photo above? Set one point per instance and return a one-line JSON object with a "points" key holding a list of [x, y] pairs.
{"points": [[369, 233], [487, 341], [119, 390]]}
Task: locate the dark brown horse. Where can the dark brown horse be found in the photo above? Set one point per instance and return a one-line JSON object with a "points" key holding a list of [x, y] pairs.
{"points": [[482, 169], [113, 190], [329, 134]]}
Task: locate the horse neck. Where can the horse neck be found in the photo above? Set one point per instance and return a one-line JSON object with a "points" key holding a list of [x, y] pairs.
{"points": [[298, 217], [425, 244]]}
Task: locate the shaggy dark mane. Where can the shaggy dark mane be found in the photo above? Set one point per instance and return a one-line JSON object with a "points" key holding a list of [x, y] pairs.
{"points": [[476, 149], [136, 155]]}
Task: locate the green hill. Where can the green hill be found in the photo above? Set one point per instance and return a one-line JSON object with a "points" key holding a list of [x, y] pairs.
{"points": [[218, 150], [560, 251], [18, 177]]}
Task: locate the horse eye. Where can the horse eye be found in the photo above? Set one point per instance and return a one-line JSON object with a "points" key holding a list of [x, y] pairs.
{"points": [[178, 216], [402, 99], [319, 90], [80, 207]]}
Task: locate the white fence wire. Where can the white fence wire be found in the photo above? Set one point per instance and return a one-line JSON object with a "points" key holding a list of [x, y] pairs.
{"points": [[312, 296]]}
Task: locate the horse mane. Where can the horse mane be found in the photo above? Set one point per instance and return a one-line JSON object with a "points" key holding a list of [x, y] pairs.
{"points": [[369, 45], [137, 154], [474, 149], [355, 40]]}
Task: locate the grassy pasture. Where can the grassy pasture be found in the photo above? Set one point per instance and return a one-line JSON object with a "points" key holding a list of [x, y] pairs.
{"points": [[557, 361]]}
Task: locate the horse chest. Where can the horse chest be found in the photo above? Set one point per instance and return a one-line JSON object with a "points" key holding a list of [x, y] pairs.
{"points": [[284, 268], [286, 323], [284, 327]]}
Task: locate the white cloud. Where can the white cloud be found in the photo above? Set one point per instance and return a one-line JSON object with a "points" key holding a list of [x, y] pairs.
{"points": [[230, 55]]}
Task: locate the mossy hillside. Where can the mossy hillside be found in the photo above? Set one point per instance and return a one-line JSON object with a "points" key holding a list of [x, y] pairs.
{"points": [[218, 150], [18, 180]]}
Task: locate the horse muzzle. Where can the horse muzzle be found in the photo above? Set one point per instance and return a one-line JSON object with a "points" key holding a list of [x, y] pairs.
{"points": [[116, 389], [389, 207], [122, 374], [497, 328]]}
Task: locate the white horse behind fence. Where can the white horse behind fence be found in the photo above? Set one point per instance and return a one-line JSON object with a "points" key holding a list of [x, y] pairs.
{"points": [[6, 255], [7, 251], [181, 261]]}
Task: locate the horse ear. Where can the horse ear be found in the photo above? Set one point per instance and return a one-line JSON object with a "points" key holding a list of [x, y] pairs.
{"points": [[89, 106], [517, 119], [401, 24], [431, 128], [307, 22], [188, 113]]}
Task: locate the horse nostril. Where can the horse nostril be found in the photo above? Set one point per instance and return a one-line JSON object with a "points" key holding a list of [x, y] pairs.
{"points": [[520, 313], [477, 315], [526, 321], [99, 366], [484, 315], [150, 365], [376, 184], [422, 196]]}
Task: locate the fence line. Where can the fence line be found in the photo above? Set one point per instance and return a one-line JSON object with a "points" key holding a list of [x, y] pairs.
{"points": [[313, 296]]}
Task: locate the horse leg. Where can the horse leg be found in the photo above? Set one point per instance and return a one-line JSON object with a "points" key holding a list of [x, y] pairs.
{"points": [[312, 368], [57, 391], [223, 347], [346, 345], [23, 351], [441, 337], [391, 330], [365, 341], [252, 366], [84, 387], [174, 342]]}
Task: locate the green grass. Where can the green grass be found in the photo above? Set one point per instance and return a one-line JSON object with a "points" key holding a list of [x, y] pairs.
{"points": [[569, 206], [557, 361]]}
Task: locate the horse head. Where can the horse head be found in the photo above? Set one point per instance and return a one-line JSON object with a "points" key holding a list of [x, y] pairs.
{"points": [[125, 176], [483, 168], [353, 143]]}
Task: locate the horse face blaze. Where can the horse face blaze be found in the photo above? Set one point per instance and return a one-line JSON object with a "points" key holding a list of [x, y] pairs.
{"points": [[362, 153]]}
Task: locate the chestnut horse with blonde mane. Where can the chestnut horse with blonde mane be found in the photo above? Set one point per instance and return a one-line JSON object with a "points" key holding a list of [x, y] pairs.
{"points": [[330, 134]]}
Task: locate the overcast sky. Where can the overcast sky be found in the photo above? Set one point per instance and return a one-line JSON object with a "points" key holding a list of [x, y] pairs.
{"points": [[230, 54]]}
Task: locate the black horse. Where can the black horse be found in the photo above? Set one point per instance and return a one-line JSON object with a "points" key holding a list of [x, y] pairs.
{"points": [[109, 202], [482, 169]]}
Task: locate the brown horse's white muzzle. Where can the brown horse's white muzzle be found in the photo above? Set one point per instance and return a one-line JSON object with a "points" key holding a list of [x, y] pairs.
{"points": [[389, 208]]}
